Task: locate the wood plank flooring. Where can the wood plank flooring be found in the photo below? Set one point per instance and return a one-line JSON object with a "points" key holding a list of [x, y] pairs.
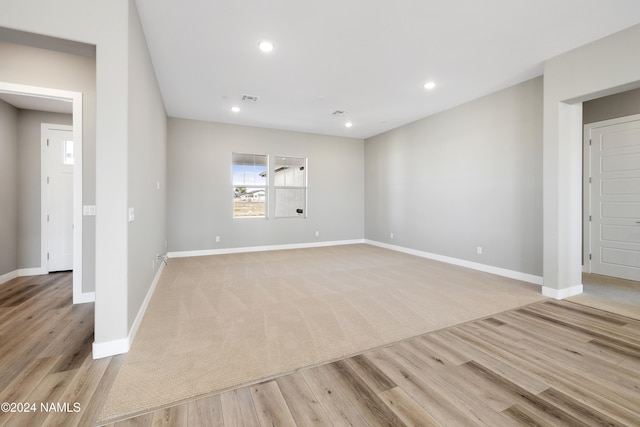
{"points": [[45, 355], [550, 363]]}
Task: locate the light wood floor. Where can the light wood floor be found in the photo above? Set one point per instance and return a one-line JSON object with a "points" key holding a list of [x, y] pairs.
{"points": [[550, 363], [45, 354]]}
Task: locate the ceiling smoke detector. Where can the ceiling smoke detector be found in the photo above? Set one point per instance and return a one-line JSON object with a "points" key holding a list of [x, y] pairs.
{"points": [[249, 98]]}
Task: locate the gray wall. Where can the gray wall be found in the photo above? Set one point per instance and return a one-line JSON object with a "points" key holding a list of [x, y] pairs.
{"points": [[45, 68], [570, 79], [8, 188], [29, 191], [611, 107], [200, 192], [147, 169], [467, 177], [106, 25]]}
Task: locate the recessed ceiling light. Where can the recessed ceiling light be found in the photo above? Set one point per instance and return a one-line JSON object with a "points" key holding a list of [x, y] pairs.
{"points": [[266, 46], [348, 124], [235, 109], [429, 85]]}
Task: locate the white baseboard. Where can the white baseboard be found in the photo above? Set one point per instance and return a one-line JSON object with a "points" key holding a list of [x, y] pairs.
{"points": [[9, 276], [37, 271], [21, 272], [525, 277], [182, 254], [84, 297], [145, 304], [562, 293], [120, 346], [111, 348]]}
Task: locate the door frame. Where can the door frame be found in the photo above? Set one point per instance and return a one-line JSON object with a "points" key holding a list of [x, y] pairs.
{"points": [[76, 99], [587, 188], [45, 128]]}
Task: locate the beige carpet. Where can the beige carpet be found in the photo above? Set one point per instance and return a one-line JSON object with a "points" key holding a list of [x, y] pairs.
{"points": [[610, 294], [218, 322]]}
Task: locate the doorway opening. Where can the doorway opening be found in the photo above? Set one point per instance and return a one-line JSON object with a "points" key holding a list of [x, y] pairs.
{"points": [[612, 198], [56, 182], [44, 97], [611, 211]]}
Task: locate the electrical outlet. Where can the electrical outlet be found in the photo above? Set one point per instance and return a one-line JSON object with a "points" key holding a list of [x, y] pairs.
{"points": [[217, 238], [317, 234], [391, 235], [89, 210], [479, 250]]}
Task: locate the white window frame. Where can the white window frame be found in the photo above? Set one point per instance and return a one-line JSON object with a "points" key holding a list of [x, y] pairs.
{"points": [[257, 187], [304, 187]]}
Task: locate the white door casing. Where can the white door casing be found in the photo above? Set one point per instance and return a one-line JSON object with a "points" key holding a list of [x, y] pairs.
{"points": [[57, 170], [614, 197], [79, 296]]}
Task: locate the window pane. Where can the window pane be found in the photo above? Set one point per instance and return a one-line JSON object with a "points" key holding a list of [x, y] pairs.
{"points": [[249, 169], [67, 156], [249, 178], [289, 172], [248, 202], [291, 202]]}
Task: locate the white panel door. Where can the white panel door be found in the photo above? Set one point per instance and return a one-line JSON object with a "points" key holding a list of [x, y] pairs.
{"points": [[615, 200], [59, 210]]}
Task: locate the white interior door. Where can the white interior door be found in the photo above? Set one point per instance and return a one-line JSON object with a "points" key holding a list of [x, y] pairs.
{"points": [[58, 168], [615, 198]]}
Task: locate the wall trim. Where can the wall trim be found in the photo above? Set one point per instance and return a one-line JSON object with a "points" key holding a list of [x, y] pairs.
{"points": [[123, 345], [525, 277], [111, 348], [145, 304], [205, 252], [21, 272], [9, 276], [562, 293], [36, 271], [84, 297]]}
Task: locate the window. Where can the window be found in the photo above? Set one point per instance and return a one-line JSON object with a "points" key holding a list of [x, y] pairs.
{"points": [[249, 185], [290, 182], [67, 152]]}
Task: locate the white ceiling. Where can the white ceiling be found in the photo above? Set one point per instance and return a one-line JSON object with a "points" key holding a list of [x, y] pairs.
{"points": [[369, 58]]}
